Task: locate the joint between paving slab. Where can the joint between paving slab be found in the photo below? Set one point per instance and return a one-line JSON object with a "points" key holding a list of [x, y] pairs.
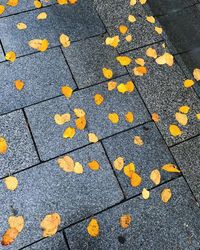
{"points": [[1, 45], [65, 239]]}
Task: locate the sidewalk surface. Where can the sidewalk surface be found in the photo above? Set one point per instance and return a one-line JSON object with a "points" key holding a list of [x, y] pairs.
{"points": [[116, 163]]}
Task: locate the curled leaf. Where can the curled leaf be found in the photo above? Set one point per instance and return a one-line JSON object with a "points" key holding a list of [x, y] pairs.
{"points": [[170, 168], [9, 236]]}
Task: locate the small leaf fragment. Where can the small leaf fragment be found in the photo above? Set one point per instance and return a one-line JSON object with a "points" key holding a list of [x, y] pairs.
{"points": [[125, 220], [69, 133], [170, 168], [10, 56], [113, 117], [198, 116], [140, 61], [93, 228], [62, 2], [67, 91], [138, 140], [175, 130], [155, 176], [129, 38], [145, 194], [131, 18], [107, 73], [3, 145], [11, 183], [166, 195], [50, 224], [119, 163], [94, 165], [135, 179]]}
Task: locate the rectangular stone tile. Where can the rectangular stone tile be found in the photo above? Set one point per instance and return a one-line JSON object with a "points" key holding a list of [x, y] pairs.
{"points": [[187, 154], [56, 242], [1, 55], [182, 27], [47, 189], [161, 7], [43, 75], [155, 225], [49, 136], [153, 154], [78, 21], [21, 152], [87, 58], [163, 92], [23, 5], [115, 13]]}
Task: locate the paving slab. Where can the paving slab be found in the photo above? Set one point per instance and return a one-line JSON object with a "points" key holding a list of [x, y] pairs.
{"points": [[23, 5], [153, 154], [163, 92], [182, 28], [187, 154], [49, 136], [87, 58], [155, 225], [56, 242], [43, 75], [21, 152], [161, 7], [78, 21], [1, 55], [48, 189], [114, 13]]}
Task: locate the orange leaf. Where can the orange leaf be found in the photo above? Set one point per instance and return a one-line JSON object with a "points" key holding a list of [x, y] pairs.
{"points": [[175, 130], [125, 220], [10, 56], [171, 168], [12, 3], [107, 73], [3, 145], [9, 236], [81, 123], [67, 91], [119, 163], [66, 163], [135, 180], [94, 165], [188, 83], [69, 132], [2, 9], [123, 29], [140, 71], [155, 117], [129, 117], [166, 195], [98, 99], [138, 140], [50, 224], [129, 169], [93, 228], [113, 117], [37, 4], [19, 84], [155, 176]]}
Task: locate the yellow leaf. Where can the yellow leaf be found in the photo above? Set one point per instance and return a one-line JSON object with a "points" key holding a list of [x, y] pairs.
{"points": [[39, 44], [11, 183], [124, 60], [150, 52], [69, 132], [16, 222], [188, 83], [175, 130], [131, 18], [150, 19], [140, 71], [155, 176], [9, 236], [78, 168], [50, 224], [72, 1], [129, 38], [122, 88], [166, 58], [130, 86], [198, 116], [2, 9], [21, 26], [61, 2], [129, 169], [159, 30], [19, 84], [119, 163], [132, 2], [138, 140], [42, 16], [112, 85], [10, 56], [155, 117], [181, 118], [112, 41], [135, 180], [143, 1], [79, 112], [94, 165], [81, 123], [171, 168], [12, 3], [3, 145], [140, 61], [129, 117], [66, 163], [113, 117], [92, 138], [196, 74], [98, 99], [184, 109], [61, 119], [67, 91], [107, 73], [123, 29], [125, 220], [93, 228], [37, 4], [64, 40], [166, 195], [145, 194]]}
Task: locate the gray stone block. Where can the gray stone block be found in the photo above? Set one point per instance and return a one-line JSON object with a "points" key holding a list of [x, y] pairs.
{"points": [[43, 74], [163, 92], [1, 55], [49, 136], [87, 58], [47, 189], [187, 154], [155, 225], [21, 152], [153, 154], [78, 21]]}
